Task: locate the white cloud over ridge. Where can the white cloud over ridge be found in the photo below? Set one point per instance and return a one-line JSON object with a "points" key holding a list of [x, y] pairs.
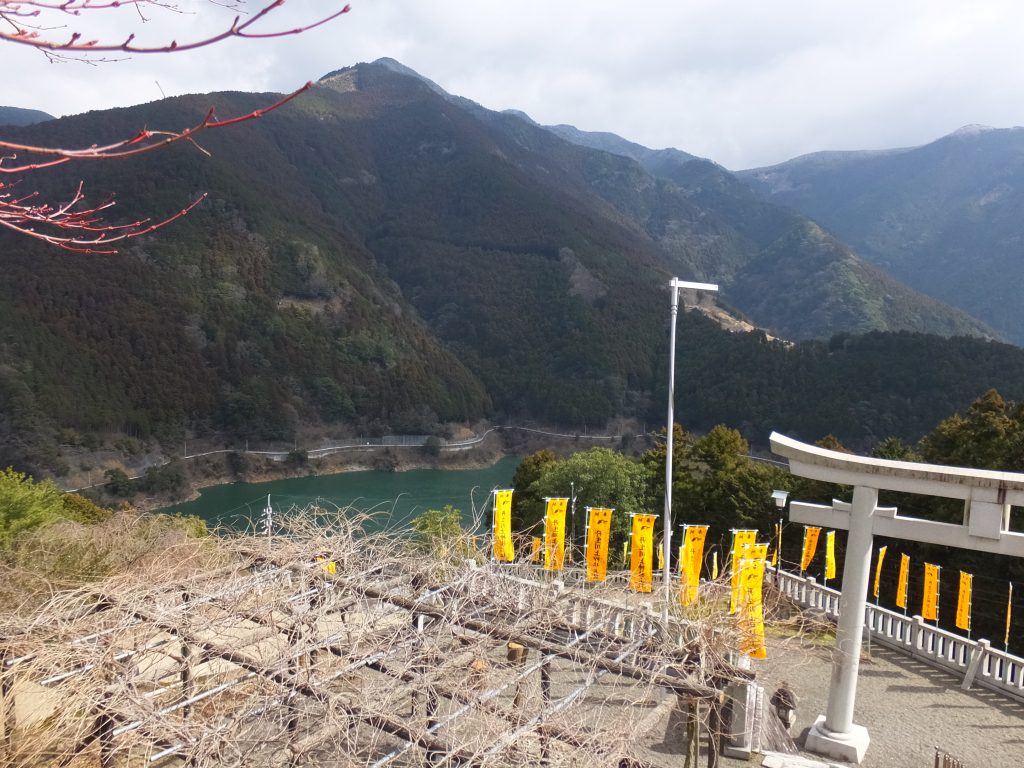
{"points": [[745, 83]]}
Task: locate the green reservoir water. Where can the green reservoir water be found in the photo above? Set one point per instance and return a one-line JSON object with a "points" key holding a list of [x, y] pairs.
{"points": [[394, 497]]}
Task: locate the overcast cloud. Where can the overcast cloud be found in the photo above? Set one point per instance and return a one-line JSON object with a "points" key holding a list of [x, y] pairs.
{"points": [[745, 83]]}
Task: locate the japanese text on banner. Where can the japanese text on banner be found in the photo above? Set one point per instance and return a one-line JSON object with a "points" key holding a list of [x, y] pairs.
{"points": [[963, 602], [640, 561], [690, 561], [751, 605], [740, 540], [554, 534], [503, 549], [810, 546], [930, 598], [599, 522]]}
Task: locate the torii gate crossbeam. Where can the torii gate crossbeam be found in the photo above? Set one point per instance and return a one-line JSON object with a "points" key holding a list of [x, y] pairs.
{"points": [[987, 497]]}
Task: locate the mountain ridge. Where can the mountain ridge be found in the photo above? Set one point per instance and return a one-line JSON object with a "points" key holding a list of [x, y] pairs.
{"points": [[377, 256], [755, 229], [942, 218], [20, 116]]}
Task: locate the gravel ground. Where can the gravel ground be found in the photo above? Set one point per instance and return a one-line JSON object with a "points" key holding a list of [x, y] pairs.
{"points": [[908, 707]]}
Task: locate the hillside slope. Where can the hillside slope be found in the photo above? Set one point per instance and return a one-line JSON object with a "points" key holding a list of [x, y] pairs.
{"points": [[943, 218], [710, 225], [776, 265]]}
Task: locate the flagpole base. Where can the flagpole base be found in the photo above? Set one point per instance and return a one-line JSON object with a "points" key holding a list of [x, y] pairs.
{"points": [[850, 746]]}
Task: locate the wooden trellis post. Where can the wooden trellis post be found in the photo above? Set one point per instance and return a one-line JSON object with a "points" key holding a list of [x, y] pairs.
{"points": [[545, 697], [7, 716]]}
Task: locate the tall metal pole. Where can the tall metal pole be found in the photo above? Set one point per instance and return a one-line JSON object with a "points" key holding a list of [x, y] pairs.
{"points": [[675, 284], [667, 530]]}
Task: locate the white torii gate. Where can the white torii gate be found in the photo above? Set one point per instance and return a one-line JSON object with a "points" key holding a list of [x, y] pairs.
{"points": [[987, 497]]}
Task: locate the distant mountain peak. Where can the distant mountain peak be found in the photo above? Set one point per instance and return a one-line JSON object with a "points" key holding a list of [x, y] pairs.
{"points": [[19, 116], [522, 116], [972, 130], [382, 76], [616, 145], [396, 65], [400, 68], [342, 80]]}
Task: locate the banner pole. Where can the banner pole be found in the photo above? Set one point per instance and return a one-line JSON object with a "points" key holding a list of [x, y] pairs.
{"points": [[1009, 613], [544, 540], [586, 546], [494, 524]]}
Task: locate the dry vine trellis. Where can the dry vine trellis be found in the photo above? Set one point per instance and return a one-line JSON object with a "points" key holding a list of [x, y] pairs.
{"points": [[399, 657]]}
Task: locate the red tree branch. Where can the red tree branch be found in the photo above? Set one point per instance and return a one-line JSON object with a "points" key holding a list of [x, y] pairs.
{"points": [[75, 225], [71, 227], [22, 215], [13, 12], [142, 142]]}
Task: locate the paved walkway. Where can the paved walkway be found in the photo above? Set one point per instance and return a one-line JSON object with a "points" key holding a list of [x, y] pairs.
{"points": [[908, 707]]}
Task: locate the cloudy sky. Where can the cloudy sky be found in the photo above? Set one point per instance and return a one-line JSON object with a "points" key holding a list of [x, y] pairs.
{"points": [[744, 82]]}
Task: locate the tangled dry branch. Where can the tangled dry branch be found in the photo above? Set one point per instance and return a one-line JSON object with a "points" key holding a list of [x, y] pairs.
{"points": [[327, 646], [89, 231]]}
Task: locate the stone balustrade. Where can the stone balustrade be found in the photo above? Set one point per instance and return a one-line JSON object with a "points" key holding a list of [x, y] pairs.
{"points": [[975, 661]]}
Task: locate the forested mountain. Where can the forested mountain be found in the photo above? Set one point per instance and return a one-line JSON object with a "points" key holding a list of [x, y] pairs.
{"points": [[944, 218], [777, 266], [19, 116], [652, 159], [710, 225], [383, 256]]}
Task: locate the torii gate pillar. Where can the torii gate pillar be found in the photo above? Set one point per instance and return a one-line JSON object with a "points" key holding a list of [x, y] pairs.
{"points": [[834, 734], [985, 527]]}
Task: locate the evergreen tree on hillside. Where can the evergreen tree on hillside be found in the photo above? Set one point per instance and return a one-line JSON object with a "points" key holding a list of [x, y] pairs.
{"points": [[527, 505], [26, 504], [603, 478], [989, 435]]}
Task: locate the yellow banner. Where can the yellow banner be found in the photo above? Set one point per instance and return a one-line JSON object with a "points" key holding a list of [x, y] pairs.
{"points": [[1009, 613], [691, 558], [714, 564], [660, 552], [537, 546], [599, 523], [756, 552], [503, 549], [778, 544], [641, 558], [554, 535], [810, 546], [930, 598], [751, 605], [901, 585], [830, 555], [963, 602], [878, 568], [740, 540]]}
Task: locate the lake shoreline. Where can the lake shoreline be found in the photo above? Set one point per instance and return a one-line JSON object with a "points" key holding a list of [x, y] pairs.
{"points": [[391, 498], [207, 472]]}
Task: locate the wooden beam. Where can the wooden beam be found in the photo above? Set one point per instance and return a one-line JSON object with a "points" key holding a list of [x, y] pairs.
{"points": [[557, 649]]}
